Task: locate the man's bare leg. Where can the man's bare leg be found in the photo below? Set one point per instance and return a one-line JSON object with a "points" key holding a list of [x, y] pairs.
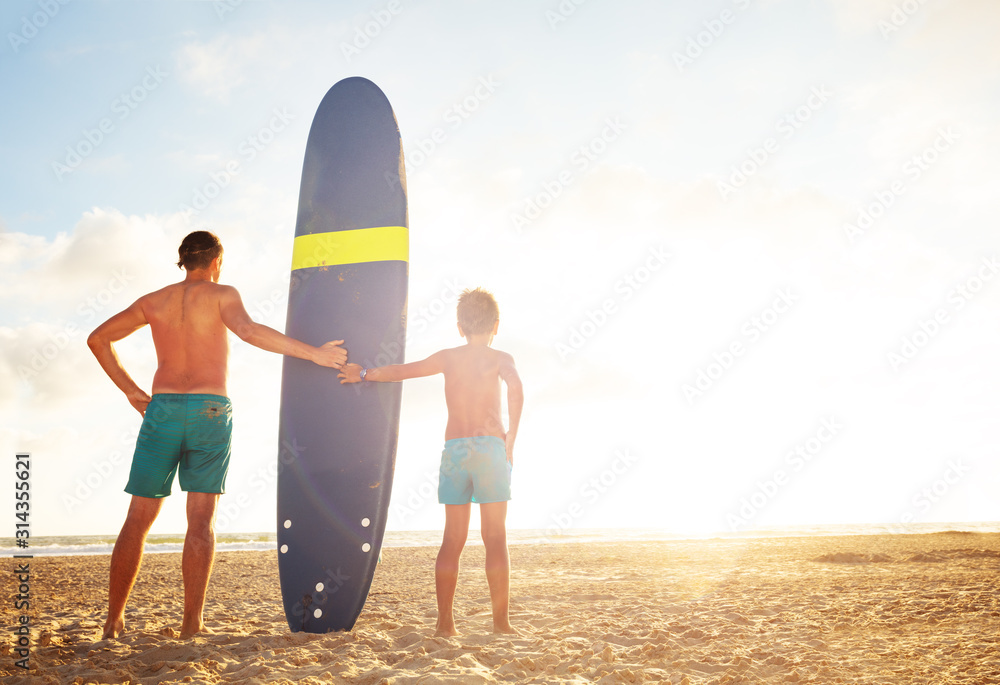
{"points": [[199, 555], [126, 559], [456, 530], [494, 524]]}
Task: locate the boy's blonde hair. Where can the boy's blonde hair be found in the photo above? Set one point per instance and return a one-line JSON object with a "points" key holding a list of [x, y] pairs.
{"points": [[477, 311]]}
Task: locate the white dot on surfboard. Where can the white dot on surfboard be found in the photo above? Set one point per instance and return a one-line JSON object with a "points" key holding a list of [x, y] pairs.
{"points": [[318, 613], [284, 548], [365, 522], [366, 547], [288, 523], [319, 587]]}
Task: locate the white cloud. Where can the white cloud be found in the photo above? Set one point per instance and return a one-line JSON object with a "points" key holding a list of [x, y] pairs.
{"points": [[59, 290], [16, 248], [226, 64], [219, 66], [861, 16], [104, 263]]}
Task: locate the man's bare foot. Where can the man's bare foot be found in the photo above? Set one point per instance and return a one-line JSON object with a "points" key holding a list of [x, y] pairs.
{"points": [[112, 629], [187, 632], [505, 629]]}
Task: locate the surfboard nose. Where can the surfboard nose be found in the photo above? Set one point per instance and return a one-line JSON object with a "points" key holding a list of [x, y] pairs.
{"points": [[352, 176]]}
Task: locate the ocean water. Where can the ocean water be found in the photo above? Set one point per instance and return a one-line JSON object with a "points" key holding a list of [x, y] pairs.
{"points": [[75, 545]]}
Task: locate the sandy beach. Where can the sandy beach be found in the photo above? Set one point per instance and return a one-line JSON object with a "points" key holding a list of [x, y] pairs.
{"points": [[858, 609]]}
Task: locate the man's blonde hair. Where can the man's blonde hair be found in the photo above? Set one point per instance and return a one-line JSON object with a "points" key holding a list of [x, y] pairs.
{"points": [[477, 311]]}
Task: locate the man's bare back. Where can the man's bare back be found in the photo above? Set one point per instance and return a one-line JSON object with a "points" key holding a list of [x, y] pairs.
{"points": [[191, 340]]}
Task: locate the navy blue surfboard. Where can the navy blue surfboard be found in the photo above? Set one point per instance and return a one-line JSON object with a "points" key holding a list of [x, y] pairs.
{"points": [[337, 443]]}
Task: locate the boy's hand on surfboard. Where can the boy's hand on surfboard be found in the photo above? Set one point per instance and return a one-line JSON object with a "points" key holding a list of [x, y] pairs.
{"points": [[351, 373], [331, 354]]}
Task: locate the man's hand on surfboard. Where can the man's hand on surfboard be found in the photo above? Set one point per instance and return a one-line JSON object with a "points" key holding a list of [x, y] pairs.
{"points": [[351, 373], [331, 354]]}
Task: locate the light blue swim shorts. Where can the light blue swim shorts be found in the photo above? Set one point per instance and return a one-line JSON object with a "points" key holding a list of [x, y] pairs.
{"points": [[474, 470], [186, 434]]}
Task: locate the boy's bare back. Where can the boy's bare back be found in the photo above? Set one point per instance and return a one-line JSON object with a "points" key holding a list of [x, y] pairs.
{"points": [[472, 376]]}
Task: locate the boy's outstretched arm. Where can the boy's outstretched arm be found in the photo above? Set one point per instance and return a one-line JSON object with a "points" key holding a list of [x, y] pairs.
{"points": [[351, 373], [515, 401]]}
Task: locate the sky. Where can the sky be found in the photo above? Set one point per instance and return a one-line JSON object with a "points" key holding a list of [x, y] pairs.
{"points": [[745, 251]]}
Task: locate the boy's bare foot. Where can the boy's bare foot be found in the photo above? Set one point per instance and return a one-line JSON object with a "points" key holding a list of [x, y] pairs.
{"points": [[187, 632], [112, 629], [444, 629]]}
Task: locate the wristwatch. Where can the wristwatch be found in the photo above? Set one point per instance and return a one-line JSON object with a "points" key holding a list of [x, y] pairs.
{"points": [[364, 372]]}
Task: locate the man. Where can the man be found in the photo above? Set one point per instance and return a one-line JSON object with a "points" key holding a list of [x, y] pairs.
{"points": [[187, 422]]}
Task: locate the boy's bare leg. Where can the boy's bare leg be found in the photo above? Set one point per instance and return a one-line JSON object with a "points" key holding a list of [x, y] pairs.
{"points": [[196, 563], [456, 530], [494, 524], [127, 558]]}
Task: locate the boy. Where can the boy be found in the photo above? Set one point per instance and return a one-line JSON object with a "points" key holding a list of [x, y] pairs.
{"points": [[478, 453]]}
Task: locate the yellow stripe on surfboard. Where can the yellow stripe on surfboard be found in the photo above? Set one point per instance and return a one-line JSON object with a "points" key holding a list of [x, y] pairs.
{"points": [[380, 244]]}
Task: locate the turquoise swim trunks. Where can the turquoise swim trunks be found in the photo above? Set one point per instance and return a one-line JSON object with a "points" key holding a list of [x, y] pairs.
{"points": [[190, 435], [474, 470]]}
